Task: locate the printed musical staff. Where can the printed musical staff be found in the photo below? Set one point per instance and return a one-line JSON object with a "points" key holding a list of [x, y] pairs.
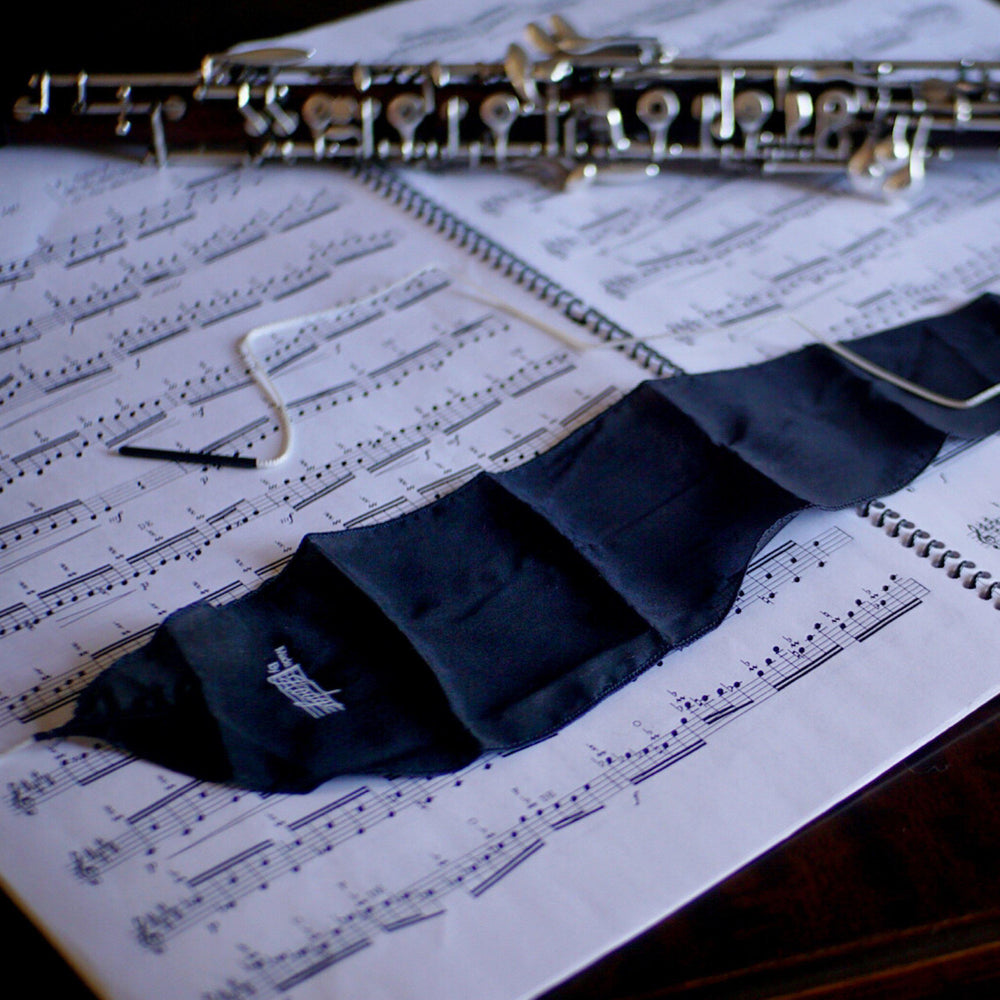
{"points": [[302, 210], [481, 869], [214, 384], [475, 872], [470, 418], [619, 245], [75, 770], [103, 240], [13, 271], [154, 333], [24, 793], [531, 378], [683, 744], [181, 814], [399, 365], [291, 969], [438, 488], [86, 864], [792, 659], [376, 514], [39, 457], [102, 300], [353, 249], [499, 861], [395, 447], [226, 304], [100, 581], [61, 689], [696, 251], [73, 374], [184, 543], [209, 385], [305, 840], [135, 422], [180, 547], [162, 269], [444, 420], [519, 448], [168, 215], [784, 564], [722, 703], [229, 240], [297, 279], [371, 458], [387, 419], [591, 407]]}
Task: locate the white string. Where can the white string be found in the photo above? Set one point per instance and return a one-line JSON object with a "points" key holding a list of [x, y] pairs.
{"points": [[897, 380], [837, 348], [259, 374], [472, 291]]}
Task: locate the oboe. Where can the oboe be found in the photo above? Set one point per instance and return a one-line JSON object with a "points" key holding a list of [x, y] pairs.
{"points": [[615, 107]]}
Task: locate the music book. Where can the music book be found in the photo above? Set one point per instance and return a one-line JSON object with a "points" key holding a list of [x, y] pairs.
{"points": [[423, 329]]}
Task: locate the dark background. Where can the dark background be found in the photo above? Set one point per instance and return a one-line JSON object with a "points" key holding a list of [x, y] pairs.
{"points": [[124, 35], [892, 895], [119, 35]]}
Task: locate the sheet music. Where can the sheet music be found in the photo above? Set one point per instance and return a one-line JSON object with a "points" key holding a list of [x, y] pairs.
{"points": [[958, 498], [120, 326], [703, 265], [122, 293]]}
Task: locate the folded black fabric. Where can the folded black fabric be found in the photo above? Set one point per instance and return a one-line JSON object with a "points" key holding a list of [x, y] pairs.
{"points": [[493, 617]]}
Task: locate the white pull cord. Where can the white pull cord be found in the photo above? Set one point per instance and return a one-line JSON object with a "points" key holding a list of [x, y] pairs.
{"points": [[897, 380], [259, 374]]}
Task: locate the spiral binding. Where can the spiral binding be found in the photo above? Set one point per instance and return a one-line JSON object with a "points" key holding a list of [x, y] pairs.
{"points": [[383, 181], [935, 551]]}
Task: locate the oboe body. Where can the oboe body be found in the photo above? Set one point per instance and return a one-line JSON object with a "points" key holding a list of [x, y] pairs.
{"points": [[613, 106]]}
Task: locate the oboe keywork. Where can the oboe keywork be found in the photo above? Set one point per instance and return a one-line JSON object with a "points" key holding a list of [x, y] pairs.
{"points": [[616, 106]]}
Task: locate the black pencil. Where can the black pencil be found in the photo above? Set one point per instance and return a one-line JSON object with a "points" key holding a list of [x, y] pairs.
{"points": [[192, 457]]}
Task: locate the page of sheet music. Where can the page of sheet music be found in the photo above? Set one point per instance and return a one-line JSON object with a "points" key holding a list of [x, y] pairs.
{"points": [[959, 497], [701, 264], [123, 291]]}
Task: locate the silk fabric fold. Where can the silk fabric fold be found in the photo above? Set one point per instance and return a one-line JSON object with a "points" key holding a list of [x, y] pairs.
{"points": [[496, 615]]}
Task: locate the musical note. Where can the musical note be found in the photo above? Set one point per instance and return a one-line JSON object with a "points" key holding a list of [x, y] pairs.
{"points": [[77, 770], [778, 566], [311, 836], [479, 870]]}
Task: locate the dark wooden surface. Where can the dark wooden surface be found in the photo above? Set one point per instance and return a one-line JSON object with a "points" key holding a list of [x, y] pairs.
{"points": [[892, 895]]}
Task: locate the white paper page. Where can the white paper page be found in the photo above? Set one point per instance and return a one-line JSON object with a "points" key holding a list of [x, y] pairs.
{"points": [[495, 882], [121, 329], [956, 505], [702, 264], [422, 30]]}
